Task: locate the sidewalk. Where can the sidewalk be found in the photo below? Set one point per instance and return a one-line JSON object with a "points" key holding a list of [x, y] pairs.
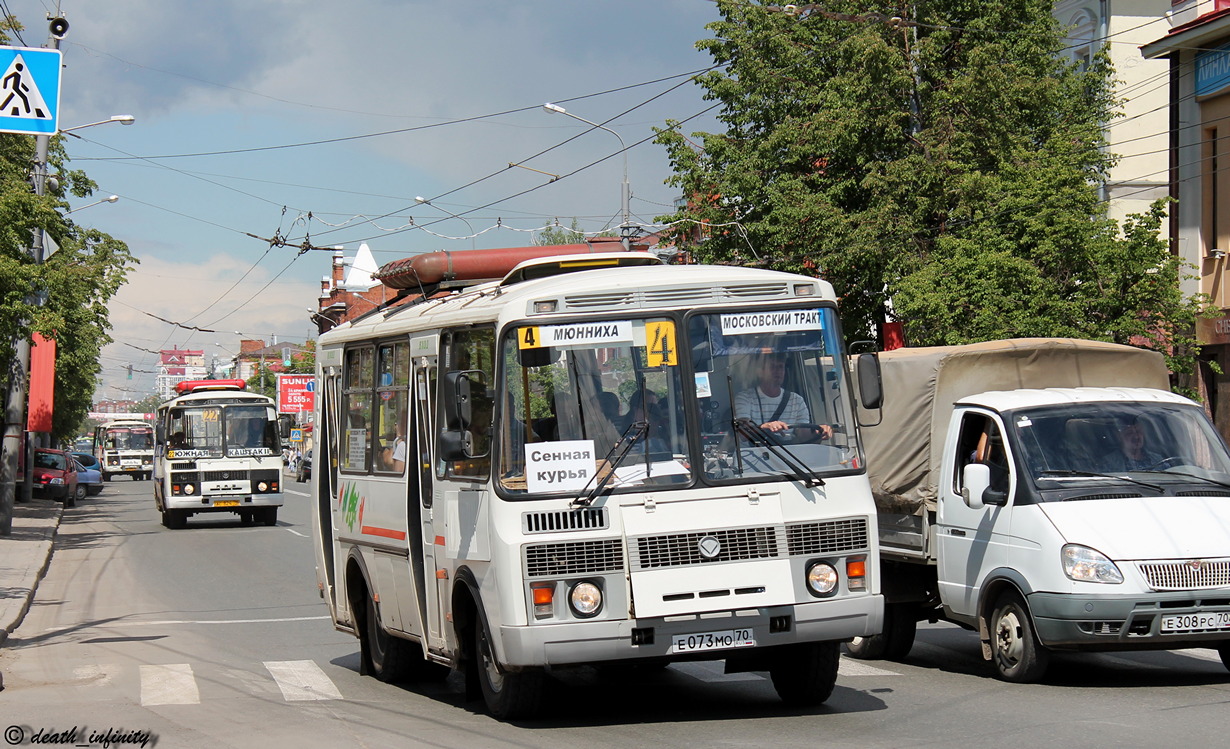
{"points": [[23, 558]]}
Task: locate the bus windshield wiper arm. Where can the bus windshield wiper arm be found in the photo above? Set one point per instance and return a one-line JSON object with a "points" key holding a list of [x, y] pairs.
{"points": [[1091, 474], [758, 436], [624, 445]]}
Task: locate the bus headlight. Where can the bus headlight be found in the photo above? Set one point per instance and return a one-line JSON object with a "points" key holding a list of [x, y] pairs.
{"points": [[822, 579], [262, 487], [189, 488], [585, 598]]}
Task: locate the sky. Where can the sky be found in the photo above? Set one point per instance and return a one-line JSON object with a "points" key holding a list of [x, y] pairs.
{"points": [[324, 122]]}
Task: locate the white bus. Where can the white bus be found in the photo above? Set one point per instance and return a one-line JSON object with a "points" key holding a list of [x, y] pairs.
{"points": [[124, 447], [218, 450], [550, 470]]}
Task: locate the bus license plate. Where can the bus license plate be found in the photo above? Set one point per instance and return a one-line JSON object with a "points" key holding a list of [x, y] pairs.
{"points": [[226, 503], [729, 638], [1201, 620]]}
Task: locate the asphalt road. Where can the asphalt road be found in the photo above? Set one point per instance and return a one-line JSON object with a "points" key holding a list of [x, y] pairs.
{"points": [[215, 636]]}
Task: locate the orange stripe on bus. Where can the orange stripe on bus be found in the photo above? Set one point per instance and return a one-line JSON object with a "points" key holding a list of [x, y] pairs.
{"points": [[439, 540], [370, 530]]}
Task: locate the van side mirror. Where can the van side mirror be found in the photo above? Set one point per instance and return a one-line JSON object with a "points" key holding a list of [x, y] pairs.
{"points": [[458, 404], [870, 384], [976, 487]]}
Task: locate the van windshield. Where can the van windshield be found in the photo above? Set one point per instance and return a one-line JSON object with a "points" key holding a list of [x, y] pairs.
{"points": [[1082, 442]]}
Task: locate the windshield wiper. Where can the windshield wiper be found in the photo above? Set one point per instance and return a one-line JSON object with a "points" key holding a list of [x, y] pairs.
{"points": [[624, 445], [1192, 476], [1091, 474], [758, 436]]}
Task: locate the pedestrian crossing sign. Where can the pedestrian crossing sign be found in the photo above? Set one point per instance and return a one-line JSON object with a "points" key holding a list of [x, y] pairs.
{"points": [[29, 90]]}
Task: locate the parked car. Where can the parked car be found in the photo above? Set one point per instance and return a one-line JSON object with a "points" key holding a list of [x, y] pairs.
{"points": [[89, 473], [55, 476], [304, 471]]}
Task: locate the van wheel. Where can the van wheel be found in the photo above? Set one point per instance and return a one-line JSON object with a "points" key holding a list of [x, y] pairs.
{"points": [[510, 695], [1015, 649], [1223, 649], [804, 675], [895, 641]]}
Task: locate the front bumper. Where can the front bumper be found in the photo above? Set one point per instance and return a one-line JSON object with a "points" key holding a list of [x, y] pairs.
{"points": [[613, 640], [1123, 621], [217, 503]]}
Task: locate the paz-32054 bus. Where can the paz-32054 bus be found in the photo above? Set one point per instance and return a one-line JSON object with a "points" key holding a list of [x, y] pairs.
{"points": [[124, 447], [218, 450], [596, 459]]}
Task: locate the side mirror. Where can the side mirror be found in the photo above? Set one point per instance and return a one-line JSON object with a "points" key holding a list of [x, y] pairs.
{"points": [[870, 385], [458, 404], [455, 444], [976, 487], [285, 422]]}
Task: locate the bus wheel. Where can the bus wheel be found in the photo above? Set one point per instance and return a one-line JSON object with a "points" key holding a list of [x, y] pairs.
{"points": [[245, 518], [804, 675], [510, 695], [387, 655], [106, 476], [174, 519], [269, 516]]}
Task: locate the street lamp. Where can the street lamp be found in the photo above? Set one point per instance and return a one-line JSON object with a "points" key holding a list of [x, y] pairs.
{"points": [[424, 201], [625, 229], [109, 199], [15, 408], [234, 356]]}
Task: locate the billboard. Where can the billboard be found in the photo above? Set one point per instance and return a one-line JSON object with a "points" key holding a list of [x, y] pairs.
{"points": [[296, 393]]}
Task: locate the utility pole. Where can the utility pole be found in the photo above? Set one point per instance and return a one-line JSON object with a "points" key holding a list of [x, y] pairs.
{"points": [[19, 371]]}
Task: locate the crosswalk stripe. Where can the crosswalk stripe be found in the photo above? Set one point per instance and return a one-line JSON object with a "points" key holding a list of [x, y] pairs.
{"points": [[169, 684], [302, 680]]}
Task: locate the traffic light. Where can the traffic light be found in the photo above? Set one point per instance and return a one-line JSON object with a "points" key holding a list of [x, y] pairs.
{"points": [[130, 371]]}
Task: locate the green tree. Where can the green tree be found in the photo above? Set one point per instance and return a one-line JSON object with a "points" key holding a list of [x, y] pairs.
{"points": [[559, 235], [303, 362], [942, 169]]}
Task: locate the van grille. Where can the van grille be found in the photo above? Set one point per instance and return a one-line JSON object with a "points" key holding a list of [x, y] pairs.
{"points": [[1187, 575], [573, 558], [235, 475]]}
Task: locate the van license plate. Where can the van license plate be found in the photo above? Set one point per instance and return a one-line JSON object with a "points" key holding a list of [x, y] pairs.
{"points": [[729, 638], [1201, 620], [226, 503]]}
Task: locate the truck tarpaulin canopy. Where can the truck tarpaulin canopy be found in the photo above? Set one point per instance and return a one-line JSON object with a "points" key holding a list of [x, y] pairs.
{"points": [[922, 384]]}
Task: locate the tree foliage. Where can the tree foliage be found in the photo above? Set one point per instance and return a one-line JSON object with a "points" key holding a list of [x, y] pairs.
{"points": [[944, 171], [66, 296]]}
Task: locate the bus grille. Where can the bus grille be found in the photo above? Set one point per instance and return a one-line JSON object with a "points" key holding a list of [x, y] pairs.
{"points": [[235, 475], [679, 549], [1190, 575], [585, 519], [573, 558], [676, 295], [832, 537]]}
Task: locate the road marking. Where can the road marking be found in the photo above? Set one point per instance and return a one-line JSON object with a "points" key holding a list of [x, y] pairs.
{"points": [[302, 680], [852, 667], [1204, 654], [169, 684], [297, 533], [165, 622], [297, 494]]}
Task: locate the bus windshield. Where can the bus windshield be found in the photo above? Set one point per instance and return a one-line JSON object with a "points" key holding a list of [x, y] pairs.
{"points": [[129, 438], [588, 397], [770, 387]]}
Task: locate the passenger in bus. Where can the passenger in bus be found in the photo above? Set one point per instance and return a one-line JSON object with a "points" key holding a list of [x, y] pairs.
{"points": [[393, 457], [179, 441], [774, 408]]}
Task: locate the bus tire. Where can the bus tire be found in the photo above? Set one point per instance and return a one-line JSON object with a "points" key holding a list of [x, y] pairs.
{"points": [[245, 518], [387, 656], [804, 675], [174, 519], [269, 515], [106, 476], [510, 695]]}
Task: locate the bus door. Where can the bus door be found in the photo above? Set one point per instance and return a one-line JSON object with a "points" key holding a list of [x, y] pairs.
{"points": [[433, 589]]}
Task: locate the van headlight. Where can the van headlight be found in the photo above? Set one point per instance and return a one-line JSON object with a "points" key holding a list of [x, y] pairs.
{"points": [[1087, 565]]}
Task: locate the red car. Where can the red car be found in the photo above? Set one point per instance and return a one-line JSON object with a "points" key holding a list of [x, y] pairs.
{"points": [[55, 476]]}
